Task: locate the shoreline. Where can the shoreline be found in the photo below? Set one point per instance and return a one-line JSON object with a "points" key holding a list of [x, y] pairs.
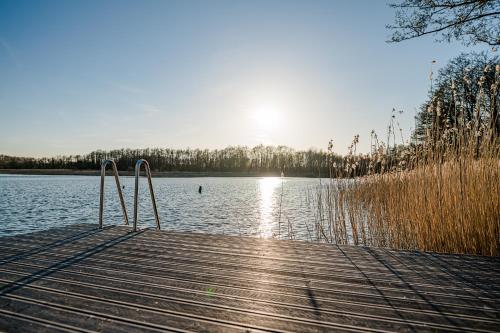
{"points": [[160, 174]]}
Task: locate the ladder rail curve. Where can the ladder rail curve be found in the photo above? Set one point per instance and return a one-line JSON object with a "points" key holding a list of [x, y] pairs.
{"points": [[138, 165], [104, 164]]}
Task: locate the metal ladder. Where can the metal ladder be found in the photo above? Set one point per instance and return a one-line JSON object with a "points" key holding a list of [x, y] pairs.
{"points": [[140, 162], [104, 163], [136, 192]]}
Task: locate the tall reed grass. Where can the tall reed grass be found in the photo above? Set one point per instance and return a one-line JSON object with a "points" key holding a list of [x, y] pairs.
{"points": [[439, 194]]}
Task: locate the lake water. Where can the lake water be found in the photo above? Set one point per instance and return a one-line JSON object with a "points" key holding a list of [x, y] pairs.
{"points": [[231, 206]]}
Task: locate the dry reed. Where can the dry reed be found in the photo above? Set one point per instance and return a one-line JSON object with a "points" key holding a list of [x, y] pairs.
{"points": [[441, 194]]}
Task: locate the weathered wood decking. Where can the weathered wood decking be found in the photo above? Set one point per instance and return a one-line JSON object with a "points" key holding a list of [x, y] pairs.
{"points": [[83, 279]]}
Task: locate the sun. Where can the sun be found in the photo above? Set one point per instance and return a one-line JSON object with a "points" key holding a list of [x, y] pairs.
{"points": [[267, 118]]}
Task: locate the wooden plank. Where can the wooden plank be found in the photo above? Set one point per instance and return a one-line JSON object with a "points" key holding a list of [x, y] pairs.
{"points": [[270, 295], [150, 281], [148, 249], [83, 285], [342, 260], [15, 322], [143, 267], [269, 274], [283, 256]]}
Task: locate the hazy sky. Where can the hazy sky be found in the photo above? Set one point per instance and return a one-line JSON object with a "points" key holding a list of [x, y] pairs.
{"points": [[76, 76]]}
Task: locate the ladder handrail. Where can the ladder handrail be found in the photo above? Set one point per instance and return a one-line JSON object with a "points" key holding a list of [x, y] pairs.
{"points": [[104, 163], [153, 199]]}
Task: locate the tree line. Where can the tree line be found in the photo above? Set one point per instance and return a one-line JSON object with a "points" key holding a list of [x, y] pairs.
{"points": [[237, 159]]}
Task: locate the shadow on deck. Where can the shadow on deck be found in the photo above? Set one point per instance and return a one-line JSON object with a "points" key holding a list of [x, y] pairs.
{"points": [[80, 278]]}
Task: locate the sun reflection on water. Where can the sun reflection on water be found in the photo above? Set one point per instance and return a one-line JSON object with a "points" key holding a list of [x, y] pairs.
{"points": [[267, 188]]}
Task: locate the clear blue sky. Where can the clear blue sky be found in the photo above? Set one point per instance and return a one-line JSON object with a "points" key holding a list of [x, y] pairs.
{"points": [[76, 76]]}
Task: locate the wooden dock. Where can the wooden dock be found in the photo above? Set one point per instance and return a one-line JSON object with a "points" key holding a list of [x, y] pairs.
{"points": [[82, 279]]}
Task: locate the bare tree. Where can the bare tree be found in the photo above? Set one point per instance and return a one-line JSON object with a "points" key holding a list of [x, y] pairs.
{"points": [[469, 21]]}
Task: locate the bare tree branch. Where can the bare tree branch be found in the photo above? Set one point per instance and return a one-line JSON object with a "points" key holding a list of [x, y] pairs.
{"points": [[469, 21]]}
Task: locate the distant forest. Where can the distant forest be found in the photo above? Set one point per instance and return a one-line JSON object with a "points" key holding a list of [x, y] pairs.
{"points": [[257, 160]]}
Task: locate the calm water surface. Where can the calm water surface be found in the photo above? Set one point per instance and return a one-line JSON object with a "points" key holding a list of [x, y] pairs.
{"points": [[231, 206]]}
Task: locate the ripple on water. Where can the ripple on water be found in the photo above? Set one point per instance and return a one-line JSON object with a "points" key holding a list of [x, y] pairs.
{"points": [[230, 206]]}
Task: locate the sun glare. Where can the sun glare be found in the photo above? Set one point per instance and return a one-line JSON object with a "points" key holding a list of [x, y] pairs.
{"points": [[267, 187], [267, 118]]}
